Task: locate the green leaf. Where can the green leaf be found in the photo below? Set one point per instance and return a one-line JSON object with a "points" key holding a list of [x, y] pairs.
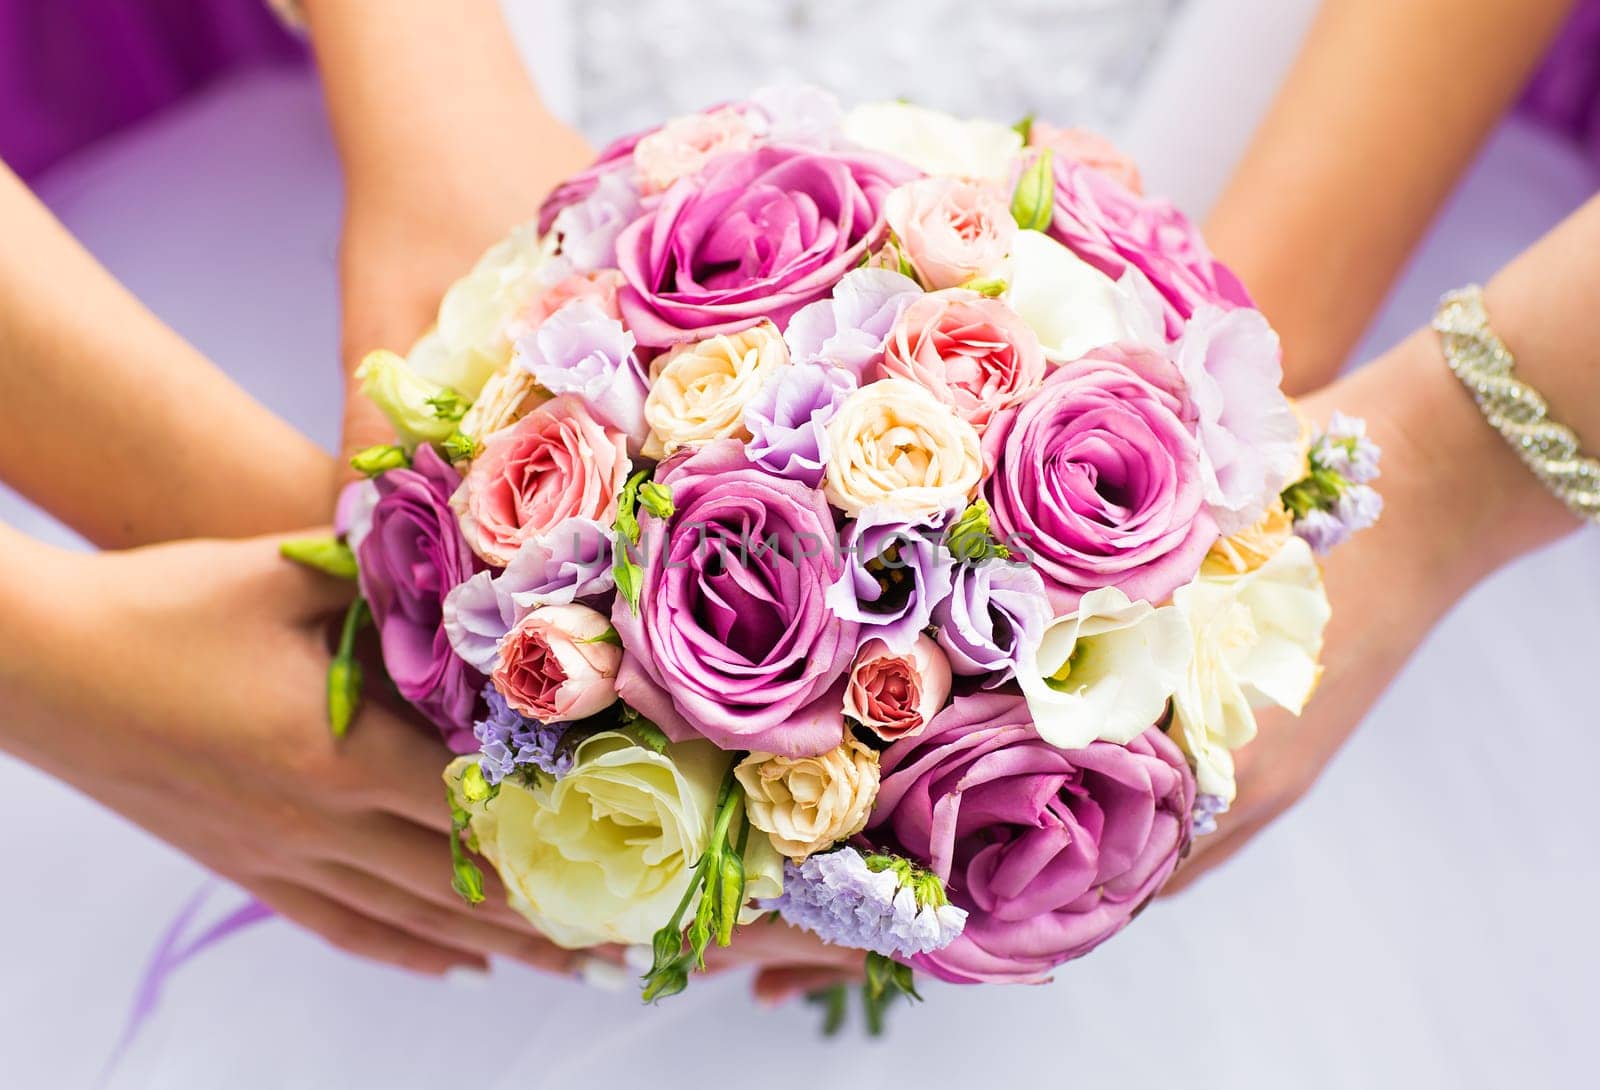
{"points": [[834, 1001], [328, 555], [648, 733], [629, 576], [610, 635], [380, 459], [1034, 199]]}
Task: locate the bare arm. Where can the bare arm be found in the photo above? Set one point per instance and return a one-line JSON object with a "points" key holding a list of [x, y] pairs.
{"points": [[117, 426], [1386, 106]]}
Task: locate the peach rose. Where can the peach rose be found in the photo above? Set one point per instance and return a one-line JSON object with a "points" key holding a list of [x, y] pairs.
{"points": [[685, 144], [558, 665], [806, 804], [951, 230], [1089, 148], [974, 354], [554, 464], [599, 288], [895, 696]]}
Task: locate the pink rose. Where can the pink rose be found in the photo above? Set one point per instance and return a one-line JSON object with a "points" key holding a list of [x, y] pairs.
{"points": [[974, 354], [1114, 229], [685, 144], [1089, 148], [599, 288], [558, 665], [893, 695], [951, 230], [554, 464]]}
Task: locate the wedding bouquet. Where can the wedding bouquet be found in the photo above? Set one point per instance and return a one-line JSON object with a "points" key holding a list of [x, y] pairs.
{"points": [[879, 519]]}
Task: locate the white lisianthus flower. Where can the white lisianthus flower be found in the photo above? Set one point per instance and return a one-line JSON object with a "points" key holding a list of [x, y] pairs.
{"points": [[934, 142], [1073, 306], [604, 853], [893, 444], [698, 392], [414, 404], [1105, 672], [472, 338], [1257, 638]]}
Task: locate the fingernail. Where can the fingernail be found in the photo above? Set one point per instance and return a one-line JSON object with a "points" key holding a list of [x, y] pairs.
{"points": [[602, 974], [467, 977]]}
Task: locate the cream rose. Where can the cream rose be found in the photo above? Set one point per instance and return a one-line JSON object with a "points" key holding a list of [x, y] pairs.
{"points": [[934, 142], [508, 396], [605, 853], [1073, 306], [952, 231], [893, 444], [479, 314], [698, 392], [1257, 639], [1106, 671], [806, 804]]}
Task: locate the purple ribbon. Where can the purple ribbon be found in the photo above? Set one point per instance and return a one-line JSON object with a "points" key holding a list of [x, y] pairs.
{"points": [[172, 951]]}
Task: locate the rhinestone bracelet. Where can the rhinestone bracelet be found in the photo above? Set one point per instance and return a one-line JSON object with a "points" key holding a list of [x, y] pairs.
{"points": [[1516, 410]]}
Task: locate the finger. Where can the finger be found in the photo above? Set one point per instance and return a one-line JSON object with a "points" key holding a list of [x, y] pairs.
{"points": [[768, 943], [301, 592], [434, 921], [363, 936], [402, 765], [779, 984]]}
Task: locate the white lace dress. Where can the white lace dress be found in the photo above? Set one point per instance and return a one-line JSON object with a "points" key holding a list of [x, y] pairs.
{"points": [[1421, 921]]}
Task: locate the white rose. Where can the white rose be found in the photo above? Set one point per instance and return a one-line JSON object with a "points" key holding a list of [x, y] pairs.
{"points": [[410, 401], [808, 804], [935, 142], [1073, 306], [893, 444], [472, 338], [1106, 671], [569, 870], [1257, 638], [698, 392]]}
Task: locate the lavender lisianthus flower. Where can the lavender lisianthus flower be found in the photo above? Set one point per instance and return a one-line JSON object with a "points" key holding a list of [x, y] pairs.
{"points": [[788, 420], [571, 562], [589, 226], [580, 349], [995, 611], [798, 113], [850, 328], [509, 741], [843, 901], [895, 574]]}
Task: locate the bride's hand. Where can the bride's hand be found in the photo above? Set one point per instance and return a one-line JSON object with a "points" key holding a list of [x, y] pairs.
{"points": [[1457, 505], [182, 686]]}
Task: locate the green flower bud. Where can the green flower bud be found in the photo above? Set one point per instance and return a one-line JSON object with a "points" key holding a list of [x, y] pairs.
{"points": [[460, 447], [656, 499], [990, 286], [730, 895], [1034, 200], [468, 880], [344, 693], [666, 983], [969, 538], [447, 405], [380, 459], [1024, 129], [667, 946], [629, 576], [628, 508], [474, 788], [328, 555]]}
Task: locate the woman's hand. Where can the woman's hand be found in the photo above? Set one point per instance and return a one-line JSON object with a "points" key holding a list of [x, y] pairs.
{"points": [[182, 686]]}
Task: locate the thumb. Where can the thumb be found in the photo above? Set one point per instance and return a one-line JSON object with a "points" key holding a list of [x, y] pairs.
{"points": [[304, 572]]}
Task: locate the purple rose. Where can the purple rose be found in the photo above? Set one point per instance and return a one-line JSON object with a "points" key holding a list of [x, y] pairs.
{"points": [[1050, 851], [851, 328], [1113, 228], [757, 234], [1097, 478], [995, 609], [788, 420], [895, 573], [733, 640], [410, 560]]}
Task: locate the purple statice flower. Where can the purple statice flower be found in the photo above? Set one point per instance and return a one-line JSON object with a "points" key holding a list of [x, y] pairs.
{"points": [[588, 228], [580, 349], [850, 328], [995, 612], [895, 574], [1206, 809], [569, 563], [1345, 449], [788, 420], [843, 900], [509, 741]]}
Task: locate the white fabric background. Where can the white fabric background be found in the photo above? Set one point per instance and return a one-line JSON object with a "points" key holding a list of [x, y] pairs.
{"points": [[1422, 920]]}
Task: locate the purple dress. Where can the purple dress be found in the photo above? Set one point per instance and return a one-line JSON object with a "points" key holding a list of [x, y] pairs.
{"points": [[73, 71], [1566, 91]]}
